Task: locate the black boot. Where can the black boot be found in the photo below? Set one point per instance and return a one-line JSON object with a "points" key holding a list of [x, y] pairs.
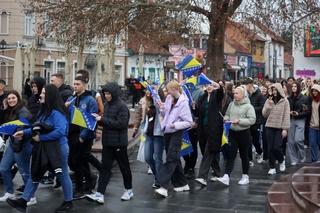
{"points": [[65, 207], [19, 204]]}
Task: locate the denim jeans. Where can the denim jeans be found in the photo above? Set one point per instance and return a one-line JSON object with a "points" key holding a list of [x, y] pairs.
{"points": [[153, 151], [314, 140], [64, 178], [22, 159]]}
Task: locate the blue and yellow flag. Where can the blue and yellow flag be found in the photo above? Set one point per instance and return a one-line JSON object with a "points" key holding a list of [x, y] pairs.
{"points": [[82, 118], [154, 94], [225, 135], [189, 66], [186, 146], [187, 92], [192, 80], [11, 127]]}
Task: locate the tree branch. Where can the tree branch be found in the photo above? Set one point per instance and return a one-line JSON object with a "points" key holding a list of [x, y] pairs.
{"points": [[232, 8]]}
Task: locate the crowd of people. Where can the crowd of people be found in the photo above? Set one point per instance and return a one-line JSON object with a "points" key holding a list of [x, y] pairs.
{"points": [[275, 119]]}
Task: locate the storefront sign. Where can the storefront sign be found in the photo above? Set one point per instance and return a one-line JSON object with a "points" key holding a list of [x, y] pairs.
{"points": [[305, 72]]}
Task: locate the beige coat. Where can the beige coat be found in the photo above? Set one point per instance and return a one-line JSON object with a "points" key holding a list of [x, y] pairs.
{"points": [[278, 115]]}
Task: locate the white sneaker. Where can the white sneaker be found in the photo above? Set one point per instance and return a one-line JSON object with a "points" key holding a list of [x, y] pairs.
{"points": [[127, 195], [214, 178], [182, 188], [259, 159], [32, 201], [293, 163], [272, 172], [244, 180], [6, 196], [162, 191], [251, 163], [202, 181], [225, 179], [283, 166], [98, 197], [149, 171]]}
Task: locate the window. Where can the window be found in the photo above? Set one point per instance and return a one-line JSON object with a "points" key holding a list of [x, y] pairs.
{"points": [[29, 25], [196, 43], [48, 68], [4, 23], [280, 50], [118, 39], [61, 65], [204, 43]]}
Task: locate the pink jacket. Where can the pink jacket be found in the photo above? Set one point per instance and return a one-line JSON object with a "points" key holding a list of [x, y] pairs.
{"points": [[179, 115]]}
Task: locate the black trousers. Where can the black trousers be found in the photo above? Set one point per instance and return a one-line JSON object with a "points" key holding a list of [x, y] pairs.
{"points": [[95, 162], [172, 169], [275, 142], [255, 134], [79, 160], [109, 154], [191, 159], [238, 140], [265, 143]]}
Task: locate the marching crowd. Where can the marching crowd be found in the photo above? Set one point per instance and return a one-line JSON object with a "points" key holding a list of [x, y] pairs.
{"points": [[275, 119]]}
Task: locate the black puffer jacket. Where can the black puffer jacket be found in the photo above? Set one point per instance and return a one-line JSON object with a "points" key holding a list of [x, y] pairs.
{"points": [[257, 101], [115, 118], [65, 92], [301, 105]]}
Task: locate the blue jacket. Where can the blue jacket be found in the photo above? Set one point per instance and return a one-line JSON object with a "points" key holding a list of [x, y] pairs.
{"points": [[87, 103], [60, 128]]}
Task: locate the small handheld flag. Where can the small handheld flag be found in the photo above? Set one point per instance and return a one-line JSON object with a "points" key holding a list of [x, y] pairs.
{"points": [[82, 118], [192, 80], [225, 135], [187, 93], [186, 146], [11, 127], [154, 94], [204, 80], [189, 66]]}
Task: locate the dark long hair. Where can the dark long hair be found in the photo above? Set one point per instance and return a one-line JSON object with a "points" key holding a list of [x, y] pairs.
{"points": [[53, 101], [12, 113]]}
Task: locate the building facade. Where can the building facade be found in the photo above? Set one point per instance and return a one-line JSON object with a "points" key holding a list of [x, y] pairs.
{"points": [[43, 57]]}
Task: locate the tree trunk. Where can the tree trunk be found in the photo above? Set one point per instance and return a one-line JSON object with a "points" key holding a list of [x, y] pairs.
{"points": [[80, 60], [215, 54], [110, 59], [68, 71]]}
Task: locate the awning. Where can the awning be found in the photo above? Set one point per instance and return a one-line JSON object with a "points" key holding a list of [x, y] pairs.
{"points": [[234, 67]]}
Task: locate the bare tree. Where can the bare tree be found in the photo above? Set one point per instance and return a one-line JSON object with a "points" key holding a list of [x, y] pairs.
{"points": [[79, 22]]}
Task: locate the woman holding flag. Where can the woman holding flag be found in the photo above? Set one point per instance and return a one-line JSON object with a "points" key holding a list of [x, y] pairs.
{"points": [[177, 118], [210, 130], [241, 114], [54, 114], [148, 113], [14, 110]]}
